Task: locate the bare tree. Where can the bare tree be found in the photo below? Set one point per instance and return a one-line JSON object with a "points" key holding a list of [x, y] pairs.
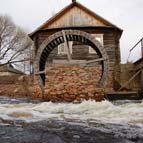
{"points": [[15, 45]]}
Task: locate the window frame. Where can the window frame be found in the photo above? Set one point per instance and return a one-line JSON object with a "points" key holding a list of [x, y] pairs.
{"points": [[91, 50], [62, 45]]}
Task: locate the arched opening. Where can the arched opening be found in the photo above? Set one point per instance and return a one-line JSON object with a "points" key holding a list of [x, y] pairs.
{"points": [[71, 35]]}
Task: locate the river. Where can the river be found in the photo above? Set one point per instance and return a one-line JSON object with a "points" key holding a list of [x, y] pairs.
{"points": [[23, 120]]}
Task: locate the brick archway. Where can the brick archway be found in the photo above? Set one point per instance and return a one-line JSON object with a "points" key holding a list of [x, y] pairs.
{"points": [[71, 35]]}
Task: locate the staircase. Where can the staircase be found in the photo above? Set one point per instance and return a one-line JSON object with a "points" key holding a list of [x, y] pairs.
{"points": [[138, 72]]}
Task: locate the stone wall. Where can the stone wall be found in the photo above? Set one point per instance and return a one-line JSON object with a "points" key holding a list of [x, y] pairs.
{"points": [[74, 82], [16, 85], [9, 79]]}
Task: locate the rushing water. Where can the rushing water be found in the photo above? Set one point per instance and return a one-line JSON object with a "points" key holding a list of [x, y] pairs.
{"points": [[124, 118], [103, 112]]}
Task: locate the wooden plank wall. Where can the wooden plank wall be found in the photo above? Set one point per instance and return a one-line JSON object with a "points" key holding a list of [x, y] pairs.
{"points": [[109, 41], [75, 17]]}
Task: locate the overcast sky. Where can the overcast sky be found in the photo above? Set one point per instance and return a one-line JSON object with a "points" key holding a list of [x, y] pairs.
{"points": [[126, 14]]}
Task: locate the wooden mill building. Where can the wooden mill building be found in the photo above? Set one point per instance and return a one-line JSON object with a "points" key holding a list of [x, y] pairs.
{"points": [[76, 53]]}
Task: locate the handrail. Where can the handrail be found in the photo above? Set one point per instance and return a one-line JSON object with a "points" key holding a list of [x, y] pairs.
{"points": [[140, 41]]}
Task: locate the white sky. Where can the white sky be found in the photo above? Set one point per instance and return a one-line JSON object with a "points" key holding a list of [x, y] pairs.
{"points": [[126, 14]]}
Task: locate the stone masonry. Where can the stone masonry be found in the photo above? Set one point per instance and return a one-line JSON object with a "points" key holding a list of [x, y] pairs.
{"points": [[73, 82]]}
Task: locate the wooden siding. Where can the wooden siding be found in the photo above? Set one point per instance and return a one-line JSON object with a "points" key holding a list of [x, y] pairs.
{"points": [[79, 52], [75, 17], [110, 43]]}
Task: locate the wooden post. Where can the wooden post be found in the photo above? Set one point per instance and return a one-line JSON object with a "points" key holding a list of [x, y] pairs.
{"points": [[67, 46]]}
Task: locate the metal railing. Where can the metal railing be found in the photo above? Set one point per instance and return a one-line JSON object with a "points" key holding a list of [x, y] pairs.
{"points": [[138, 47]]}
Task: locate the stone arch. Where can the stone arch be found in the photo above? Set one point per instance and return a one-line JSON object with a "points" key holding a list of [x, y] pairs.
{"points": [[71, 35]]}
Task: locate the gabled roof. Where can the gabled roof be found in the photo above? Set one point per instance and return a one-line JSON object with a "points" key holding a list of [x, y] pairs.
{"points": [[69, 7]]}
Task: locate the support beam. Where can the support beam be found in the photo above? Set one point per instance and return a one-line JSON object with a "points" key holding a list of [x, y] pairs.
{"points": [[129, 81], [40, 72], [94, 61], [80, 62], [66, 46]]}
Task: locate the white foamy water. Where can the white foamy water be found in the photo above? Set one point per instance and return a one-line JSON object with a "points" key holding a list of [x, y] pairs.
{"points": [[104, 112]]}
